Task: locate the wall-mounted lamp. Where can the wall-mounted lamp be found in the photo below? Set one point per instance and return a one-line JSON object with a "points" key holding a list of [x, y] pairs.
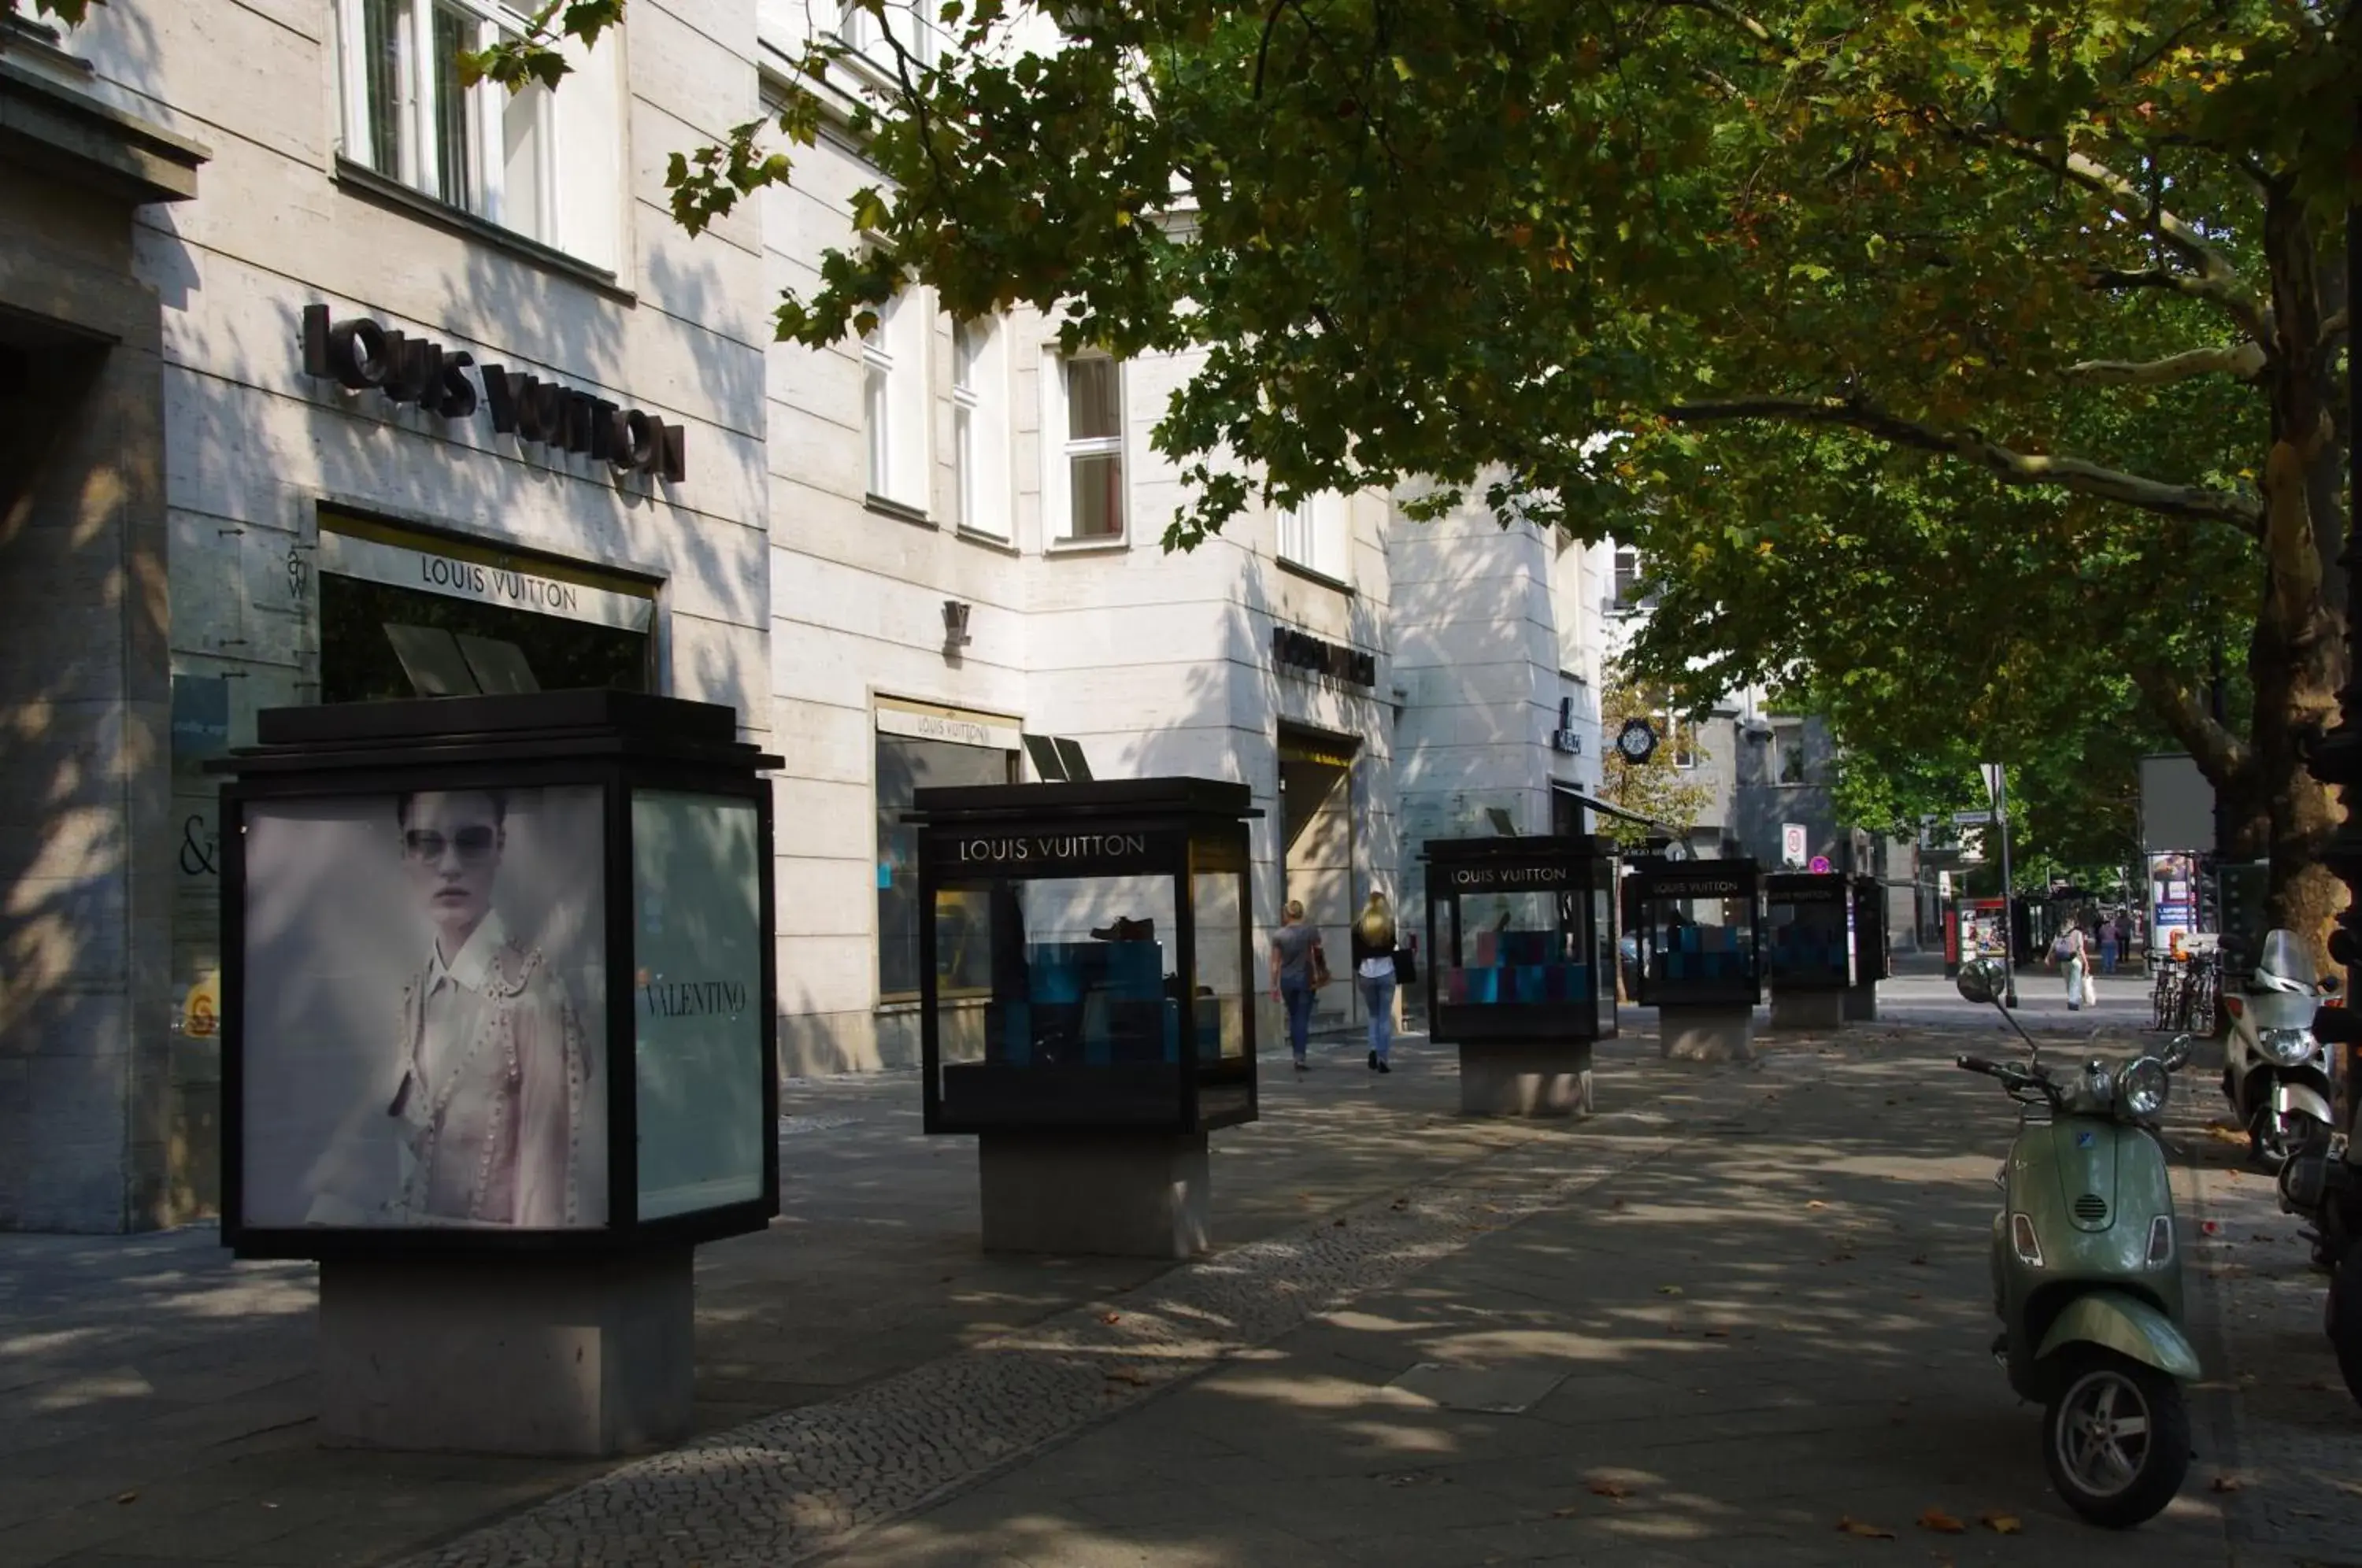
{"points": [[956, 622]]}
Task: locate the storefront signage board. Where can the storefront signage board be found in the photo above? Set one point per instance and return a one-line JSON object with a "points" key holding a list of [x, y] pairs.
{"points": [[509, 588]]}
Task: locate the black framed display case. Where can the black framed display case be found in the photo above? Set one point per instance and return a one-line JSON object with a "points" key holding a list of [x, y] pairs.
{"points": [[1088, 961], [1520, 939], [1697, 927], [498, 979], [1870, 964], [1808, 921]]}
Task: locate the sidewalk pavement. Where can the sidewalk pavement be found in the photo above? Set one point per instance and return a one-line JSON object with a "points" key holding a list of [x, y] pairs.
{"points": [[1701, 1328]]}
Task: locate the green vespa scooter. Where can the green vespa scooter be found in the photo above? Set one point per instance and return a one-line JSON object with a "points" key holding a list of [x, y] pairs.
{"points": [[2087, 1274]]}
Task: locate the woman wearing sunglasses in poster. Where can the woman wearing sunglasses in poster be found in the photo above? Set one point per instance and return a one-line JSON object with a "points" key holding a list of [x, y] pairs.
{"points": [[491, 1069]]}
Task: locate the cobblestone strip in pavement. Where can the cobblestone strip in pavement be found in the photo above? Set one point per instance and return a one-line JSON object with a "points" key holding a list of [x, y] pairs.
{"points": [[2294, 1435], [804, 1480]]}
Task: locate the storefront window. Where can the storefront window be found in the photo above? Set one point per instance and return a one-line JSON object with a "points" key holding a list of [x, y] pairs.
{"points": [[378, 642], [963, 918]]}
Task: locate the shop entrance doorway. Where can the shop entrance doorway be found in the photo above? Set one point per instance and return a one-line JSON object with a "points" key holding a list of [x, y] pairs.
{"points": [[1316, 795]]}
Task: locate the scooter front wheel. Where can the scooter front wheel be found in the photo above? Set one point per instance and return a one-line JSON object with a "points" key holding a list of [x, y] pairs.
{"points": [[2116, 1437]]}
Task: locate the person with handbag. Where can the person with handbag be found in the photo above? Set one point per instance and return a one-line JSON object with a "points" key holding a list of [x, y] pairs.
{"points": [[1373, 971], [2069, 954], [1298, 967]]}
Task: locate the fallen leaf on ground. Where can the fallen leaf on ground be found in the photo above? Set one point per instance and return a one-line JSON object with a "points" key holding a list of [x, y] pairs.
{"points": [[2223, 1134], [1725, 1333], [1919, 1262], [1941, 1522], [1815, 1203], [126, 1497], [1339, 1220], [1615, 1489], [1617, 1203], [1127, 1375], [1669, 1290], [2002, 1524], [1111, 1317], [1853, 1526], [2210, 1228], [2226, 1484]]}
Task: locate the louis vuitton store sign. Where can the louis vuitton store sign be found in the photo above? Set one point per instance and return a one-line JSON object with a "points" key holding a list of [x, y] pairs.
{"points": [[362, 355]]}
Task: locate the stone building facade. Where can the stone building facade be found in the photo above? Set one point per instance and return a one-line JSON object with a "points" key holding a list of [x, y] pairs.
{"points": [[336, 379]]}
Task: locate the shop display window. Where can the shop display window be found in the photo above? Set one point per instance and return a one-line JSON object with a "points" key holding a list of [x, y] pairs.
{"points": [[1522, 942], [1104, 958], [1810, 921], [1695, 931]]}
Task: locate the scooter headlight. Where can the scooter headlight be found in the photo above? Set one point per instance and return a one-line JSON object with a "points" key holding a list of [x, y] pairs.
{"points": [[2142, 1086], [2287, 1046]]}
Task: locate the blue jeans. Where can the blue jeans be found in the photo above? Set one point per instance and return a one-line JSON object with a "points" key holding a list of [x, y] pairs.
{"points": [[1378, 995], [1298, 999]]}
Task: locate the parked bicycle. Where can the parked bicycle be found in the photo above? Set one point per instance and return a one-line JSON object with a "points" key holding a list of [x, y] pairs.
{"points": [[2188, 996]]}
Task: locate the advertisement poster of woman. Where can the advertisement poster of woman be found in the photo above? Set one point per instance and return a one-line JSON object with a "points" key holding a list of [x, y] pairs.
{"points": [[425, 1017]]}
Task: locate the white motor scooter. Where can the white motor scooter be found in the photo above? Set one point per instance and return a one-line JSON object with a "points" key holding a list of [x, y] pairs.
{"points": [[2274, 1071]]}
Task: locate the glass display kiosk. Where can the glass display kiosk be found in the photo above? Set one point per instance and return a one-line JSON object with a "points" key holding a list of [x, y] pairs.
{"points": [[1086, 1006], [1869, 948], [1697, 929], [1809, 950], [498, 1050], [1521, 970]]}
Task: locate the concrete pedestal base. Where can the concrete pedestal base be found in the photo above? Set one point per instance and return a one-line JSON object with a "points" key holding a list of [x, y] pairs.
{"points": [[571, 1357], [1525, 1080], [1808, 1010], [1861, 1005], [1707, 1034], [1135, 1195]]}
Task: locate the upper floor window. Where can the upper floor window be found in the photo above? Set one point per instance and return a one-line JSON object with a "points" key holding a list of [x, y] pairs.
{"points": [[1083, 494], [482, 149], [1317, 534], [1787, 754], [980, 436], [894, 399], [874, 35], [1628, 577]]}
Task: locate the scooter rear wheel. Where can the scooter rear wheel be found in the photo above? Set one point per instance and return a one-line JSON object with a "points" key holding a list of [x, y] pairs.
{"points": [[2345, 1318], [2116, 1437]]}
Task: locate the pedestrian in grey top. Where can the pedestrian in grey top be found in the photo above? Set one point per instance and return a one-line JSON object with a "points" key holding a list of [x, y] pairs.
{"points": [[1292, 947]]}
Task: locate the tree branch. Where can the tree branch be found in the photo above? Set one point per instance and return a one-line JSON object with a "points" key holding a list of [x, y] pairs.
{"points": [[2334, 325], [2245, 512], [2240, 361], [2220, 756], [1737, 18], [2216, 282]]}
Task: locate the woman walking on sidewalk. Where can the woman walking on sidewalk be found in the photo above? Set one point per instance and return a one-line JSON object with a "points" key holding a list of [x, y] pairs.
{"points": [[2071, 953], [1293, 947], [1374, 967]]}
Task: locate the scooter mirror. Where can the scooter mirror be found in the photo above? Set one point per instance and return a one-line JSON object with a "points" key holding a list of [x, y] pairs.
{"points": [[2177, 1055], [2329, 986], [1979, 981]]}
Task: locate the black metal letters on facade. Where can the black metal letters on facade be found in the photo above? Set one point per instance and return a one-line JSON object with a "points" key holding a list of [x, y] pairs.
{"points": [[361, 355], [1302, 650]]}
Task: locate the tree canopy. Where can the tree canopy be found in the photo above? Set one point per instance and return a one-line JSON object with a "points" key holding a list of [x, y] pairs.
{"points": [[2022, 317]]}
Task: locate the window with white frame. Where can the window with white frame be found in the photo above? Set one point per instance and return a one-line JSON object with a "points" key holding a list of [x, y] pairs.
{"points": [[1317, 534], [482, 149], [894, 401], [874, 35], [1083, 494], [980, 436]]}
